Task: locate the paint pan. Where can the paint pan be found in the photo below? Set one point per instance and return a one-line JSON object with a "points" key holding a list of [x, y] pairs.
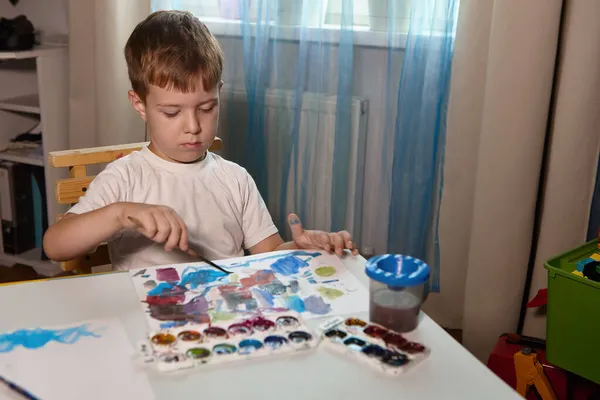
{"points": [[163, 339], [215, 332], [248, 346], [275, 342], [371, 344], [175, 348], [239, 330], [190, 336], [198, 353], [223, 349]]}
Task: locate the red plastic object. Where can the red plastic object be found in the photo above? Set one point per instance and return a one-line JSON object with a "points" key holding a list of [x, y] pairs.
{"points": [[501, 362], [540, 299]]}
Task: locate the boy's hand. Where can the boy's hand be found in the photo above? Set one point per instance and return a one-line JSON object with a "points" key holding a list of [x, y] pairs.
{"points": [[158, 223], [318, 239]]}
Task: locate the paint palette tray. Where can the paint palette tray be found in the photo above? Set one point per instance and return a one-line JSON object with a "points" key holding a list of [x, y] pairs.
{"points": [[194, 345], [372, 344]]}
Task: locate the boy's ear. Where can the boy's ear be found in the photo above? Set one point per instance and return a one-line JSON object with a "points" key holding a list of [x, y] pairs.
{"points": [[137, 103], [221, 83]]}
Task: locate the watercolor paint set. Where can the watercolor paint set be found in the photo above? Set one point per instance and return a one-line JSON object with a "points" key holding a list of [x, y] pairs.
{"points": [[193, 345], [372, 344]]}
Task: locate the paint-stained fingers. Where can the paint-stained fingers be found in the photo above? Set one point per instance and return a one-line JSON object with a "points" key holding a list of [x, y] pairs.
{"points": [[175, 233], [338, 243], [349, 243], [295, 226], [163, 227]]}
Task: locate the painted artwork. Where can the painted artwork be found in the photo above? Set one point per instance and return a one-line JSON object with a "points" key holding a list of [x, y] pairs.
{"points": [[313, 283], [93, 357]]}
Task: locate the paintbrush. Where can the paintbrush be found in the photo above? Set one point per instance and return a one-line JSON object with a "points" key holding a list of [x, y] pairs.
{"points": [[190, 252], [18, 389]]}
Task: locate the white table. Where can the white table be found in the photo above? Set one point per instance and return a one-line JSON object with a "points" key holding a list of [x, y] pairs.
{"points": [[450, 372]]}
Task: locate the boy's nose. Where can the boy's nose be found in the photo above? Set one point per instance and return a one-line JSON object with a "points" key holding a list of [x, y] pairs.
{"points": [[192, 125]]}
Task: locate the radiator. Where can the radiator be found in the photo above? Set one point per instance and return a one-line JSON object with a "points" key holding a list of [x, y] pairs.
{"points": [[316, 142]]}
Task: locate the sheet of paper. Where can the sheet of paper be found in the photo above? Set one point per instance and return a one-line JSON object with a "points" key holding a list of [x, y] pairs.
{"points": [[88, 360], [314, 283]]}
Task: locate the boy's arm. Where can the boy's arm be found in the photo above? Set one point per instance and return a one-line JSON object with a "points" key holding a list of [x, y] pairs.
{"points": [[92, 220], [76, 234], [302, 239]]}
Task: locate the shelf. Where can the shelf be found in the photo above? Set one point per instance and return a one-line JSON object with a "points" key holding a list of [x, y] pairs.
{"points": [[28, 104], [37, 51], [23, 157], [33, 259]]}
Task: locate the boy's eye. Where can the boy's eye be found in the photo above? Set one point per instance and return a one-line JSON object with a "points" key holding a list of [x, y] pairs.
{"points": [[207, 110], [171, 114]]}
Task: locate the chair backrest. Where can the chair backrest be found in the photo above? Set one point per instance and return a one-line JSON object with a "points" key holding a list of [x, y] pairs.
{"points": [[68, 191]]}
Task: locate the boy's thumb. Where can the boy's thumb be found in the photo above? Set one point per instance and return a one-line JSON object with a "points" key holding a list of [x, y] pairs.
{"points": [[295, 225]]}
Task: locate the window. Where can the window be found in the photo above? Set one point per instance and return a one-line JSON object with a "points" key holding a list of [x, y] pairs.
{"points": [[367, 14], [360, 15]]}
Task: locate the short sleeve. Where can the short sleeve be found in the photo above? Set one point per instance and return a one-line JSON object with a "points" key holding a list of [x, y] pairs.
{"points": [[257, 223], [108, 187]]}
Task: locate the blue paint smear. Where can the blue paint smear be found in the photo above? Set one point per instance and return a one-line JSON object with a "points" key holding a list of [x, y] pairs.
{"points": [[161, 288], [266, 296], [296, 253], [38, 337], [196, 276], [316, 305], [331, 281], [172, 324], [146, 276], [295, 303], [289, 265]]}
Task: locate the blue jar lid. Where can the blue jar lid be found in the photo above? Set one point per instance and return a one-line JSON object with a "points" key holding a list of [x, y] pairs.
{"points": [[397, 270]]}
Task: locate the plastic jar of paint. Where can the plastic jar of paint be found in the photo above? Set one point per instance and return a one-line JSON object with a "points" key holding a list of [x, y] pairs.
{"points": [[398, 287]]}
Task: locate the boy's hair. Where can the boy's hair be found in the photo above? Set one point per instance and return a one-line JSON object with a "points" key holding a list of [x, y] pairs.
{"points": [[173, 50]]}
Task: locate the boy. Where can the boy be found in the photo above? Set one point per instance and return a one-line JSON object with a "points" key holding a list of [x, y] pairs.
{"points": [[182, 194]]}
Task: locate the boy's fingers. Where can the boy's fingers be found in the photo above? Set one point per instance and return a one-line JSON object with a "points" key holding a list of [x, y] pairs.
{"points": [[183, 239], [146, 225], [163, 227], [347, 239], [175, 235], [295, 226], [324, 241], [338, 243]]}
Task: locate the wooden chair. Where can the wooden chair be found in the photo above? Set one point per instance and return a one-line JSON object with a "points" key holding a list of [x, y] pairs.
{"points": [[68, 191]]}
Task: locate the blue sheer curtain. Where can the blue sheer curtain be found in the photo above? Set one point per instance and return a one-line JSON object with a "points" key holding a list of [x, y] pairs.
{"points": [[419, 132], [314, 72]]}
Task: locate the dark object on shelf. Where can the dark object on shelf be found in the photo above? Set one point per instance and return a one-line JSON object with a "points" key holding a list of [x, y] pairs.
{"points": [[23, 206], [28, 137], [16, 34]]}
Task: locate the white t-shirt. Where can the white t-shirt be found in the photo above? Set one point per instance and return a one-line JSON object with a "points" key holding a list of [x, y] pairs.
{"points": [[217, 199]]}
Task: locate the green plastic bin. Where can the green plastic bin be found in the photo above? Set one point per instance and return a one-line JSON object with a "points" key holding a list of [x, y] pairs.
{"points": [[573, 315]]}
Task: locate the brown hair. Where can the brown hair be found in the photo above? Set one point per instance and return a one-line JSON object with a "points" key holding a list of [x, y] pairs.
{"points": [[173, 50]]}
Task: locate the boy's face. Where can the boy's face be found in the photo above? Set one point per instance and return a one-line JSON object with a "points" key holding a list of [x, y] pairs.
{"points": [[181, 126]]}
